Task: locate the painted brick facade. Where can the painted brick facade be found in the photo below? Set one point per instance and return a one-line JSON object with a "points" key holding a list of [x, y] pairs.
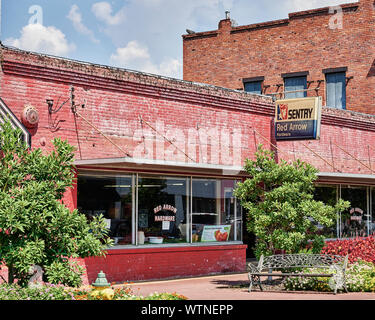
{"points": [[114, 100], [305, 41]]}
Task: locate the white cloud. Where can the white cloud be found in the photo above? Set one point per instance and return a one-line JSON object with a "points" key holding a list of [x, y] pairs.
{"points": [[137, 57], [103, 11], [159, 24], [38, 38], [76, 18]]}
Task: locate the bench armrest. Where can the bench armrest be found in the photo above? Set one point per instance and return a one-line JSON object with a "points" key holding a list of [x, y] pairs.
{"points": [[252, 268]]}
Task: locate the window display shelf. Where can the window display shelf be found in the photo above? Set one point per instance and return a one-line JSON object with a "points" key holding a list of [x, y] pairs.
{"points": [[204, 214]]}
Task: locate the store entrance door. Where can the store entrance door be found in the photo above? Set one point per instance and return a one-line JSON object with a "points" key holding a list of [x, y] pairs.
{"points": [[248, 238]]}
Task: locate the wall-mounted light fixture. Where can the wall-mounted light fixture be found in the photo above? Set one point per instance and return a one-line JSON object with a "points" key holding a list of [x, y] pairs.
{"points": [[51, 109]]}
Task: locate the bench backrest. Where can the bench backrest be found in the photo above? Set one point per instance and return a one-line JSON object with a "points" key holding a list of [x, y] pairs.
{"points": [[284, 261]]}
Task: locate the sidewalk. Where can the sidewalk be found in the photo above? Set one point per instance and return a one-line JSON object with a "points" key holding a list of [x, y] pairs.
{"points": [[233, 287]]}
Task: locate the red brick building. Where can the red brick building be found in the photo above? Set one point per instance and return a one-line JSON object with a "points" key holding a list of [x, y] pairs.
{"points": [[328, 52], [159, 158]]}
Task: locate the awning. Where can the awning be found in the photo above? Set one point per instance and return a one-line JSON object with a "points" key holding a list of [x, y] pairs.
{"points": [[346, 178], [191, 168], [142, 165]]}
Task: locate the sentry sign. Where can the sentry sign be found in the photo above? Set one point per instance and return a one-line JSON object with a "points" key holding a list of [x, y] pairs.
{"points": [[298, 119]]}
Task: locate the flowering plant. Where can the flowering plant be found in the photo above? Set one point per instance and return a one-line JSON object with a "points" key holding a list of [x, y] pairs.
{"points": [[360, 277], [360, 248]]}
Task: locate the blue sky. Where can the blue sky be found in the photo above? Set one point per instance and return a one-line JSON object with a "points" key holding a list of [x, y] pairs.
{"points": [[142, 35]]}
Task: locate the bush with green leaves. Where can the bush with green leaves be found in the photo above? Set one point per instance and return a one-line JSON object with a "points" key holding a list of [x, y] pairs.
{"points": [[279, 201], [36, 228], [67, 272]]}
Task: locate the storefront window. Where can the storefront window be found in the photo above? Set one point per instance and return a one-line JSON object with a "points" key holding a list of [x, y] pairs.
{"points": [[353, 221], [213, 210], [152, 209], [110, 196], [162, 210], [327, 194]]}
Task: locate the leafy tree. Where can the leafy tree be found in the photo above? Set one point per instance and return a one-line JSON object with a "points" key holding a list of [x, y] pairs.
{"points": [[280, 205], [36, 228]]}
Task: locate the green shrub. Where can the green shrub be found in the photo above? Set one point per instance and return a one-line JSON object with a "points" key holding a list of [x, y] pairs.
{"points": [[278, 198], [36, 228], [68, 272]]}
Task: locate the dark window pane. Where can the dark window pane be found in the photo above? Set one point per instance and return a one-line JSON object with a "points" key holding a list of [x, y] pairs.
{"points": [[110, 196], [328, 195], [253, 87]]}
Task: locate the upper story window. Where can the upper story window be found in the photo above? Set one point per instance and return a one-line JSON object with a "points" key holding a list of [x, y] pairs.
{"points": [[253, 85], [295, 84], [336, 87]]}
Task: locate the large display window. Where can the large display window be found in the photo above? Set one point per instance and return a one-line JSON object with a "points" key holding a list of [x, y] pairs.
{"points": [[354, 221], [111, 196], [213, 210], [162, 210], [150, 209], [357, 220]]}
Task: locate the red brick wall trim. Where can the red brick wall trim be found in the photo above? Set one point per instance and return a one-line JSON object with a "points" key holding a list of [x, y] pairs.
{"points": [[200, 35], [187, 91], [259, 26], [172, 249], [348, 119], [121, 265]]}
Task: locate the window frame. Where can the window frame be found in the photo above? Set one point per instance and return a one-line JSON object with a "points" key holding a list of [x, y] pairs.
{"points": [[259, 80], [135, 176], [332, 71], [295, 75]]}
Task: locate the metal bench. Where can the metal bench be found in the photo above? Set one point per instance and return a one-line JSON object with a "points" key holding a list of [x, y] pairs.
{"points": [[287, 265]]}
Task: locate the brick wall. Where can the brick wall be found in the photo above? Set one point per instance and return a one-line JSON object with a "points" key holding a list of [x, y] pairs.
{"points": [[114, 99], [162, 263], [210, 124], [302, 42], [127, 265]]}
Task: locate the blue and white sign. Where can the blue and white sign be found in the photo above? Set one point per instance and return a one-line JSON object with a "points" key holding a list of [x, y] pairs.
{"points": [[298, 119]]}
